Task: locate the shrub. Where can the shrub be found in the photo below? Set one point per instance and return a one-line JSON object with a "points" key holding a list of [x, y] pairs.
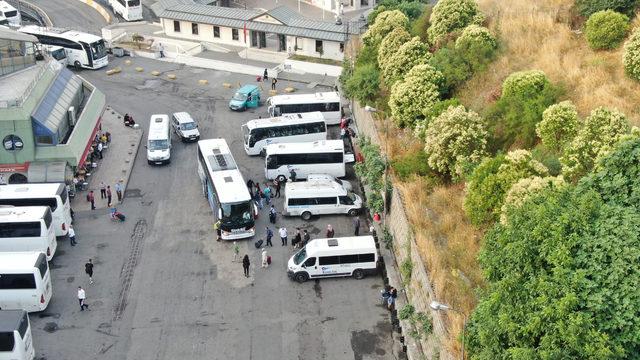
{"points": [[384, 23], [437, 109], [412, 53], [411, 163], [367, 55], [631, 55], [600, 131], [412, 99], [453, 66], [390, 44], [524, 83], [455, 138], [526, 188], [475, 35], [364, 84], [606, 29], [451, 15], [411, 8], [589, 7], [347, 72], [558, 126], [421, 24]]}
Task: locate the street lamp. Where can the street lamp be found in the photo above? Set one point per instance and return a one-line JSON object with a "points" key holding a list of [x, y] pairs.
{"points": [[442, 307]]}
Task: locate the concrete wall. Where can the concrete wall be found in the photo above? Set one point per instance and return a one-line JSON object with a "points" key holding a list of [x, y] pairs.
{"points": [[205, 33], [307, 47], [313, 68]]}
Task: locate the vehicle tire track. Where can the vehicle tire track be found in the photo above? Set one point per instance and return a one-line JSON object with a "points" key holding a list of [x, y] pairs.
{"points": [[128, 268]]}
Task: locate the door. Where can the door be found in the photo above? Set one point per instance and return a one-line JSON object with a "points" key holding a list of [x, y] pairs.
{"points": [[282, 42], [311, 266], [263, 39], [254, 38]]}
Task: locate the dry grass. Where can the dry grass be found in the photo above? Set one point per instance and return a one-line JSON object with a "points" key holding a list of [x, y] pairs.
{"points": [[537, 35]]}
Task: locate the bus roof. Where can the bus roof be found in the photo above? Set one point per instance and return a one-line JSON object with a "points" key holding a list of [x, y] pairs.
{"points": [[305, 147], [10, 320], [353, 243], [28, 191], [159, 127], [314, 188], [286, 119], [59, 32], [319, 97], [224, 172], [20, 261], [22, 213]]}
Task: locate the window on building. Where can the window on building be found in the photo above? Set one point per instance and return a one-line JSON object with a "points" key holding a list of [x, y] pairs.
{"points": [[234, 34], [44, 140], [319, 47], [176, 26], [194, 28], [216, 31]]}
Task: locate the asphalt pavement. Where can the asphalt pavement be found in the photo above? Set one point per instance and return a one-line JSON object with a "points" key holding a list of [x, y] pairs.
{"points": [[164, 288], [72, 14]]}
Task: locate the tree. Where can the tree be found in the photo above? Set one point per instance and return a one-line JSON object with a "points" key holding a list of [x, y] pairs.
{"points": [[411, 53], [600, 131], [364, 84], [453, 139], [438, 108], [385, 22], [606, 29], [475, 35], [451, 15], [631, 55], [526, 188], [390, 44], [524, 83], [412, 99], [588, 7], [558, 126]]}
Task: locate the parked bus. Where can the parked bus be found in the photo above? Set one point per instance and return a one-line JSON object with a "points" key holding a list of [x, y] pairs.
{"points": [[15, 336], [25, 281], [328, 103], [11, 14], [225, 189], [159, 140], [130, 10], [27, 228], [83, 50], [348, 256], [326, 156], [53, 195], [283, 129]]}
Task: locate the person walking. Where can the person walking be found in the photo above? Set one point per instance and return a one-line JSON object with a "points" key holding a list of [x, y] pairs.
{"points": [[103, 190], [108, 195], [119, 190], [257, 197], [267, 193], [99, 147], [265, 264], [305, 237], [82, 296], [161, 50], [265, 76], [88, 268], [236, 251], [297, 240], [356, 226], [72, 236], [216, 227], [269, 236], [245, 265], [272, 214], [277, 185], [330, 232], [250, 185], [91, 198], [273, 83], [283, 235]]}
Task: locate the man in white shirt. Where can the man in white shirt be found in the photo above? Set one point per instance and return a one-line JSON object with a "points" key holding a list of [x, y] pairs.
{"points": [[100, 149], [81, 298], [72, 236], [283, 235]]}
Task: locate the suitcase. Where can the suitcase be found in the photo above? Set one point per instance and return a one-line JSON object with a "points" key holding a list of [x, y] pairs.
{"points": [[269, 260], [258, 244]]}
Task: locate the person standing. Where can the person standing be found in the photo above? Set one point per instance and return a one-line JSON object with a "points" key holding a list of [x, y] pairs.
{"points": [[216, 227], [277, 184], [103, 190], [267, 193], [330, 232], [305, 237], [119, 190], [88, 268], [245, 265], [250, 185], [272, 214], [82, 296], [356, 226], [72, 236], [91, 198], [108, 195], [273, 83], [297, 240], [283, 235], [99, 147], [264, 258], [269, 236], [265, 76], [236, 251], [292, 175], [257, 197], [161, 50]]}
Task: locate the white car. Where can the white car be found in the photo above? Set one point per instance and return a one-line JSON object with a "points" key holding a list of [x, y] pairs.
{"points": [[185, 127], [345, 184]]}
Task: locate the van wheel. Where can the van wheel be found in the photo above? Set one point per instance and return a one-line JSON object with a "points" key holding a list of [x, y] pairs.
{"points": [[281, 179], [306, 216], [353, 212], [301, 277], [77, 65], [358, 274]]}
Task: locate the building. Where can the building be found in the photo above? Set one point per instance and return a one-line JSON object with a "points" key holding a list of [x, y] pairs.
{"points": [[48, 115], [280, 29]]}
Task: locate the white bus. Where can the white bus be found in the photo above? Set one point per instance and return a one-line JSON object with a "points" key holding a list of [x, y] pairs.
{"points": [[349, 256], [25, 281], [308, 198], [53, 195], [27, 228], [328, 103], [83, 50], [326, 156], [283, 129], [225, 189], [159, 140], [15, 336], [10, 13], [130, 10]]}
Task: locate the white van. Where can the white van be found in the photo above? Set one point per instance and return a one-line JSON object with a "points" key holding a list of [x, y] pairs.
{"points": [[159, 140], [185, 127], [15, 336], [326, 177], [319, 197], [25, 281], [27, 228], [349, 256]]}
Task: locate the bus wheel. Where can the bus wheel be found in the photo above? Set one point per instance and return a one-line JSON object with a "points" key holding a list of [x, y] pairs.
{"points": [[358, 274], [301, 277], [281, 179], [353, 212], [77, 65], [306, 216]]}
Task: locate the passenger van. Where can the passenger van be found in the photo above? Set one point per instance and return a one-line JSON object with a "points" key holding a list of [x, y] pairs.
{"points": [[324, 177], [25, 281], [159, 140], [58, 53], [27, 228], [319, 197], [185, 127], [15, 336], [305, 127], [247, 96], [348, 256], [10, 13]]}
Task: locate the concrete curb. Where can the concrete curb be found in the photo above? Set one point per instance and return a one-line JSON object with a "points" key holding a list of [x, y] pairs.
{"points": [[99, 8]]}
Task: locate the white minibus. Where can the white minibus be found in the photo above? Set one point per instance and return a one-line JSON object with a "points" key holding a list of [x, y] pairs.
{"points": [[326, 156], [53, 195], [328, 103], [307, 198], [58, 53], [348, 256], [10, 13], [130, 10], [159, 140], [15, 336], [25, 281], [283, 129], [27, 228], [323, 177]]}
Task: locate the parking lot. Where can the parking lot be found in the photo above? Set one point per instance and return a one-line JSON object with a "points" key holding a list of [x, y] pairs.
{"points": [[164, 288]]}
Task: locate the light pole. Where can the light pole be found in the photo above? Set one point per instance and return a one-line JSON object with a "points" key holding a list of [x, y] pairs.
{"points": [[442, 307]]}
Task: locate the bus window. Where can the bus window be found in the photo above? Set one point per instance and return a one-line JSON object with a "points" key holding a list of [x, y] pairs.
{"points": [[17, 281]]}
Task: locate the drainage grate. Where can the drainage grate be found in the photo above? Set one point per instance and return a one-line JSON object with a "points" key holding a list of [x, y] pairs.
{"points": [[126, 275]]}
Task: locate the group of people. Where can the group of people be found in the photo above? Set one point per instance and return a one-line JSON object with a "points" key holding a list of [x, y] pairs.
{"points": [[128, 120], [105, 193], [265, 78], [389, 295]]}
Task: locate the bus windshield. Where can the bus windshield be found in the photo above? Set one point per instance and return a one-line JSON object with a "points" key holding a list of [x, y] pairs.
{"points": [[98, 49], [300, 256], [158, 144], [237, 214]]}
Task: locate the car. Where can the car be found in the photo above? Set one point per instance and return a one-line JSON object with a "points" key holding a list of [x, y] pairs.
{"points": [[185, 127], [345, 184], [248, 96]]}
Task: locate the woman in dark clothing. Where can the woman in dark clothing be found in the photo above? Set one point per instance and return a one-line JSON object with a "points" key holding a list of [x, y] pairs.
{"points": [[245, 265]]}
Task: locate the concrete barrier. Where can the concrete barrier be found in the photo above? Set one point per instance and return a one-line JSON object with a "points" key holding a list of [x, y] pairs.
{"points": [[99, 8]]}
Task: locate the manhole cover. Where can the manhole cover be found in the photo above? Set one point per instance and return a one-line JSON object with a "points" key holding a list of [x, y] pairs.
{"points": [[133, 193]]}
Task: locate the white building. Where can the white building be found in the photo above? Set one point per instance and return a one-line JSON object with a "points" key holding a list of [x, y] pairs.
{"points": [[280, 29]]}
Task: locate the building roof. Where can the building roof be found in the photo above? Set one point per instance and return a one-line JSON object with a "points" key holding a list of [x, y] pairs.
{"points": [[8, 34]]}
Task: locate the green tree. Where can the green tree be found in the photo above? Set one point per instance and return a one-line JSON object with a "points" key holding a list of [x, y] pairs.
{"points": [[364, 84], [524, 83], [411, 53], [588, 7], [476, 35], [385, 22], [451, 15], [606, 29], [390, 44], [558, 126], [412, 99], [631, 55], [438, 108], [525, 189], [453, 66]]}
